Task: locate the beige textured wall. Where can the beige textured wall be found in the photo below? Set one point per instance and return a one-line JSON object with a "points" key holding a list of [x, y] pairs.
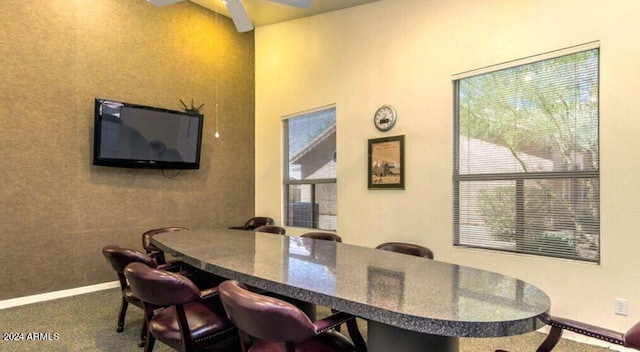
{"points": [[404, 53], [57, 210]]}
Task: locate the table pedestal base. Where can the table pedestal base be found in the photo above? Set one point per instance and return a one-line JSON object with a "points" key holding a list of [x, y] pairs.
{"points": [[385, 338]]}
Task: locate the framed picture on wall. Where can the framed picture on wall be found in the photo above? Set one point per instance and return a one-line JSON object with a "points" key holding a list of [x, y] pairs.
{"points": [[386, 163]]}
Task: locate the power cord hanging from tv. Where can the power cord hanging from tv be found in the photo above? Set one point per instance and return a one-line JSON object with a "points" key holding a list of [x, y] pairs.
{"points": [[217, 134], [191, 111]]}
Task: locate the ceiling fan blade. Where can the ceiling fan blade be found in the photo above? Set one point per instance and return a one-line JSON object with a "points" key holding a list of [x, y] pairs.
{"points": [[303, 4], [239, 15]]}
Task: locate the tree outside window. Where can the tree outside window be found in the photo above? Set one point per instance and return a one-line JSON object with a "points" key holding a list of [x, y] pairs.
{"points": [[526, 173]]}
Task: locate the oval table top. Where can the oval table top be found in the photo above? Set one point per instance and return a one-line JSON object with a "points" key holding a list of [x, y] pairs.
{"points": [[403, 291]]}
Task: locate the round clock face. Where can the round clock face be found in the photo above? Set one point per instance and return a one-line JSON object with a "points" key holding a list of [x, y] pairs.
{"points": [[385, 118]]}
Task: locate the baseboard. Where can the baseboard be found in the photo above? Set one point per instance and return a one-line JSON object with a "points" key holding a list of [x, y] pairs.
{"points": [[15, 302]]}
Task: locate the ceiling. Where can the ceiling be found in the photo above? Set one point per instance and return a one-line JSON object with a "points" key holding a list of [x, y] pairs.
{"points": [[264, 12]]}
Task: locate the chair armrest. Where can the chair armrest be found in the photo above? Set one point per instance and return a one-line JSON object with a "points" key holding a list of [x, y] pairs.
{"points": [[588, 330], [236, 228], [181, 268], [332, 321], [174, 267], [558, 325], [337, 319]]}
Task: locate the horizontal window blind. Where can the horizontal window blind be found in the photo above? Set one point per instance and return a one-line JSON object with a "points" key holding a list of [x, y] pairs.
{"points": [[310, 169], [527, 60], [526, 173], [307, 147]]}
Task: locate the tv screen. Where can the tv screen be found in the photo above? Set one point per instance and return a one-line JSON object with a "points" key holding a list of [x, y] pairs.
{"points": [[130, 135]]}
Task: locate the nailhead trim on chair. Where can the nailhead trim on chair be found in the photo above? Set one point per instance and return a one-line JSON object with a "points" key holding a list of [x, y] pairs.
{"points": [[336, 323], [209, 296], [216, 335], [587, 333], [202, 339]]}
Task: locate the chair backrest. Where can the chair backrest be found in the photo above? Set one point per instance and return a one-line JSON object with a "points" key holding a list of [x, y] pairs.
{"points": [[278, 230], [119, 258], [632, 337], [407, 248], [326, 236], [264, 317], [159, 287], [147, 235], [253, 223]]}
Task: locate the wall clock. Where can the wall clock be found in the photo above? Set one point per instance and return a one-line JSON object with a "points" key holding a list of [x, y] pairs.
{"points": [[385, 117]]}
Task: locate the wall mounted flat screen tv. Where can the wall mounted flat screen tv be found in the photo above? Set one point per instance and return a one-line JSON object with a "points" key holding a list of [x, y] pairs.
{"points": [[136, 136]]}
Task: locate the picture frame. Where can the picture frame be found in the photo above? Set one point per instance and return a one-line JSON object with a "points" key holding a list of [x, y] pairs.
{"points": [[386, 163]]}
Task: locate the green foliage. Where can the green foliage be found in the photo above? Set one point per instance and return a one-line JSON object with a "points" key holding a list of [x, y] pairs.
{"points": [[555, 244], [497, 206], [527, 110], [545, 229], [538, 117]]}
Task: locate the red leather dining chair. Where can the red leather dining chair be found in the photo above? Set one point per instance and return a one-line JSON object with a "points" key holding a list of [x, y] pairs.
{"points": [[252, 223], [629, 339], [194, 320], [153, 251], [326, 236], [407, 248], [200, 277], [352, 325], [119, 258], [278, 230], [275, 325]]}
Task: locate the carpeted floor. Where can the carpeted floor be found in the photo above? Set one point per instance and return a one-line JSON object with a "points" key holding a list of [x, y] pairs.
{"points": [[88, 323]]}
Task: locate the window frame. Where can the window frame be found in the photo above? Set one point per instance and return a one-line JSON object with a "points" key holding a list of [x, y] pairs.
{"points": [[518, 177], [288, 182]]}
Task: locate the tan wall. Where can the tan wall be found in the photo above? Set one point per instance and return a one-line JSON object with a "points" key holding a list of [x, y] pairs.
{"points": [[57, 210], [404, 53]]}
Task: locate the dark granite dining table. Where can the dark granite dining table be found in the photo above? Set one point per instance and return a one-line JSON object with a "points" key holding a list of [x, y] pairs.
{"points": [[410, 303]]}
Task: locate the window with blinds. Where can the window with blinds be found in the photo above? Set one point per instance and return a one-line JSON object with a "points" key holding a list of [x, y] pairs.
{"points": [[526, 173], [310, 170]]}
